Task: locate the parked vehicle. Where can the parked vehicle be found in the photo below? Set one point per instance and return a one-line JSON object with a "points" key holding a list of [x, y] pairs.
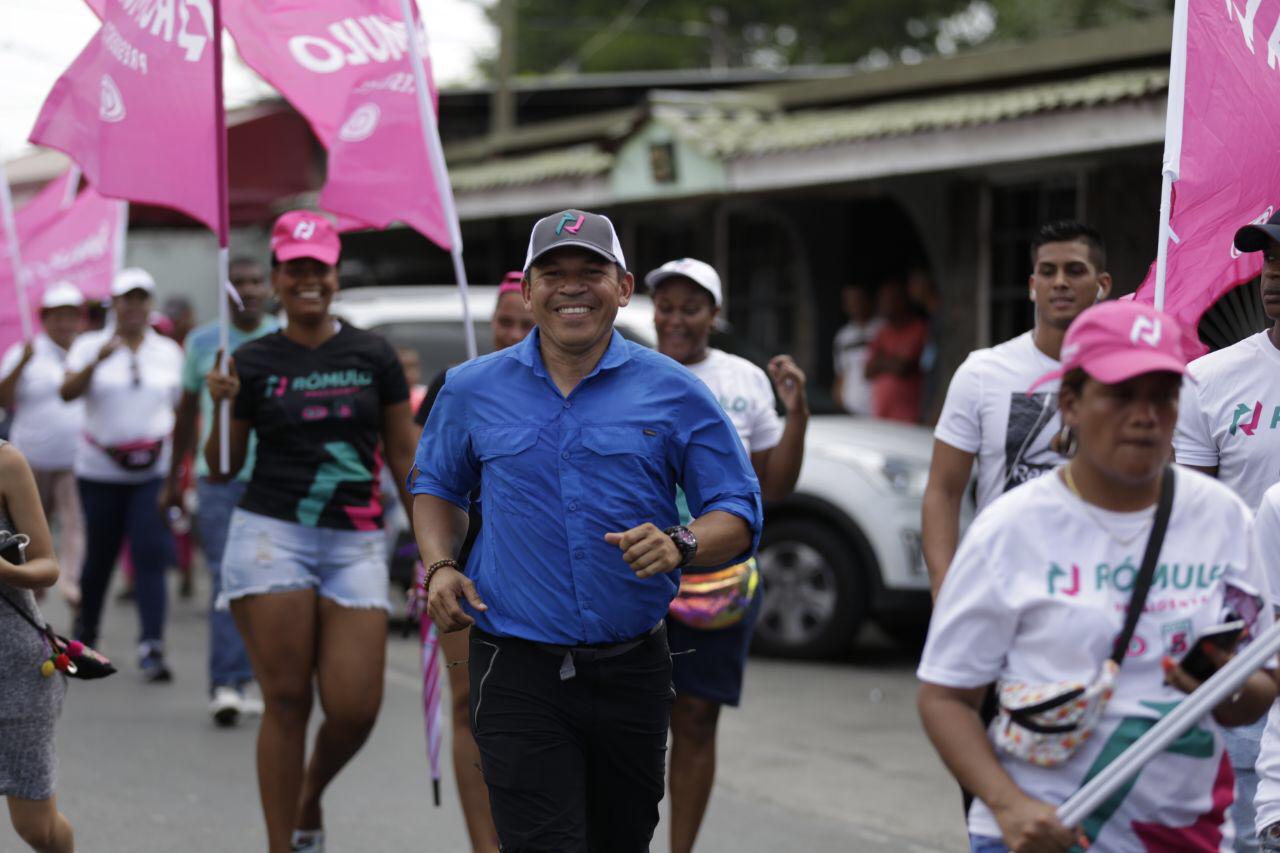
{"points": [[844, 548]]}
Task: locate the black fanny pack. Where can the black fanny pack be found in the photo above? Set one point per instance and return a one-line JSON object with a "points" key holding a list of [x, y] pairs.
{"points": [[133, 455]]}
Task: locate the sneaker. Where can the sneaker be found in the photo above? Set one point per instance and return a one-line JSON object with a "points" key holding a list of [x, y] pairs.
{"points": [[307, 841], [151, 662], [225, 706], [251, 702]]}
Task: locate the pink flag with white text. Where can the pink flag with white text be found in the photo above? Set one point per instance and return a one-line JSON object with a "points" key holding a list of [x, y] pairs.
{"points": [[136, 109], [76, 243], [1229, 175], [345, 66]]}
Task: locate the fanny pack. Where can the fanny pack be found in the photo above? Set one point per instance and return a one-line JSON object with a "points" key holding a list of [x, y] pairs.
{"points": [[70, 657], [716, 600], [133, 455], [1044, 724]]}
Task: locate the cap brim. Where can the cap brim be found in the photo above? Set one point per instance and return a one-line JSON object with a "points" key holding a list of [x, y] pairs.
{"points": [[133, 288], [658, 276], [62, 303], [308, 250], [1255, 238], [581, 244]]}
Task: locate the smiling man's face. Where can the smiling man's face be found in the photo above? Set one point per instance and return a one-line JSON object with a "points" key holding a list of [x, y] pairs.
{"points": [[575, 295]]}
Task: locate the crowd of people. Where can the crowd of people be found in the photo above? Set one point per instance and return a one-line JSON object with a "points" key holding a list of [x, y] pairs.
{"points": [[586, 512]]}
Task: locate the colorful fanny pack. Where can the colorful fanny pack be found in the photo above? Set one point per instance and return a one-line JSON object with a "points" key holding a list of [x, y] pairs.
{"points": [[132, 455], [716, 600], [1044, 724]]}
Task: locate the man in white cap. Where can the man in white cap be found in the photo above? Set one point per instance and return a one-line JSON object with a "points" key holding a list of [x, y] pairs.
{"points": [[45, 427]]}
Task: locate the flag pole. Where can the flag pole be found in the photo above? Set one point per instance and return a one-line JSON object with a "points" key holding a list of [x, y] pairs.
{"points": [[224, 227], [439, 170], [15, 257], [1172, 165], [73, 186], [1188, 712]]}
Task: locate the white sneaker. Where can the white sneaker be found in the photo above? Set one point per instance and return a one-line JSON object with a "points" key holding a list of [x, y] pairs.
{"points": [[251, 701], [225, 706], [307, 841]]}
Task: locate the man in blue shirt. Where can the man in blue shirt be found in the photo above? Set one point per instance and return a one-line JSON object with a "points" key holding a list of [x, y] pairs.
{"points": [[229, 670], [577, 440]]}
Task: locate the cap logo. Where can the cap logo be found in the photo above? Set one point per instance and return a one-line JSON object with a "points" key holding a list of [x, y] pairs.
{"points": [[304, 230], [565, 226], [1146, 330]]}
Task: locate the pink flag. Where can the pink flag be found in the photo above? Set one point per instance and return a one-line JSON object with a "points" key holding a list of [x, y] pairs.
{"points": [[345, 66], [1228, 175], [136, 110], [77, 244], [53, 199]]}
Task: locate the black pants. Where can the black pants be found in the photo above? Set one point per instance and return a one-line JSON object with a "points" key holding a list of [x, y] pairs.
{"points": [[573, 765]]}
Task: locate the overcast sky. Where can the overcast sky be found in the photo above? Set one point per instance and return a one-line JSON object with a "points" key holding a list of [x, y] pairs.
{"points": [[40, 38]]}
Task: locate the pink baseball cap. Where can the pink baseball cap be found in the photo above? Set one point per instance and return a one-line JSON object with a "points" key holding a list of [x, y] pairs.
{"points": [[1117, 340], [305, 234], [512, 282]]}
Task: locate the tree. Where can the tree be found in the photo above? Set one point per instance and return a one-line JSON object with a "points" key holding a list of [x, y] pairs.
{"points": [[602, 36]]}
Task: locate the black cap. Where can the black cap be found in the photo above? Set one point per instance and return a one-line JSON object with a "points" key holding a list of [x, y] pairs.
{"points": [[1255, 236], [590, 231]]}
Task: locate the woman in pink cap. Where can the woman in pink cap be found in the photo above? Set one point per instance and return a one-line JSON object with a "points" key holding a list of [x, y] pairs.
{"points": [[304, 569], [1078, 595]]}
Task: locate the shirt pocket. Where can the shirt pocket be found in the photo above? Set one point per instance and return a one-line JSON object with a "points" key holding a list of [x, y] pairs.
{"points": [[508, 471], [628, 463]]}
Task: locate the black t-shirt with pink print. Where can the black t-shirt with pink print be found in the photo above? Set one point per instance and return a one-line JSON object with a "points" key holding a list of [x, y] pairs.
{"points": [[318, 416]]}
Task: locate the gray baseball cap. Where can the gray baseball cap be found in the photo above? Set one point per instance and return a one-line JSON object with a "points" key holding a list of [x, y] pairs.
{"points": [[590, 231]]}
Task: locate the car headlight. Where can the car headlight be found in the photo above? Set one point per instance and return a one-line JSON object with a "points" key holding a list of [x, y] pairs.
{"points": [[902, 474]]}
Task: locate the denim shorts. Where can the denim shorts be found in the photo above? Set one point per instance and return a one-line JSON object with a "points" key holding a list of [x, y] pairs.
{"points": [[265, 555]]}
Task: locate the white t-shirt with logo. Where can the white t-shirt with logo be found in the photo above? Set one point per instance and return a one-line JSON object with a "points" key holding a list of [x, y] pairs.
{"points": [[130, 398], [746, 395], [1230, 416], [1266, 535], [989, 413], [1037, 593], [852, 349], [45, 427]]}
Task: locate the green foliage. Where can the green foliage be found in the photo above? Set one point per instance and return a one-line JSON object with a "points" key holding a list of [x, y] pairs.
{"points": [[608, 35]]}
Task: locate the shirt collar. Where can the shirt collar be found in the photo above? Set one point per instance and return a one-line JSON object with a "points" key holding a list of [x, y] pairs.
{"points": [[529, 353]]}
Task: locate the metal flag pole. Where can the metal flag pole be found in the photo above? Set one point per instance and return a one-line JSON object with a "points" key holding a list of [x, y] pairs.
{"points": [[435, 154], [1172, 165], [73, 186], [15, 256], [1190, 711], [224, 227]]}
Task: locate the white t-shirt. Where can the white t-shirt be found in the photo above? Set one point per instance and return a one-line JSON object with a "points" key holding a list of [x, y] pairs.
{"points": [[1266, 536], [45, 427], [130, 398], [1230, 416], [851, 351], [989, 413], [1038, 591], [746, 395]]}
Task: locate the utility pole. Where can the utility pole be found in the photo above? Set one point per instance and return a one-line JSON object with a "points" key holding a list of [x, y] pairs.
{"points": [[719, 18], [502, 107]]}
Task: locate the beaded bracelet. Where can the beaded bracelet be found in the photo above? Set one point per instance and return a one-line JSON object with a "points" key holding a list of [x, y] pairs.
{"points": [[435, 567]]}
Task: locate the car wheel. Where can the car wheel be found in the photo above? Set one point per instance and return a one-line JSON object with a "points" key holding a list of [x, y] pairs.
{"points": [[814, 595]]}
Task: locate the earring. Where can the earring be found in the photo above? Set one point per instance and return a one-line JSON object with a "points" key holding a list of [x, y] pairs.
{"points": [[1065, 442]]}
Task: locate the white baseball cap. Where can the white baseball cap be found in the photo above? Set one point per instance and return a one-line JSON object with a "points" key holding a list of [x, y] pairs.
{"points": [[700, 273], [132, 278], [62, 294]]}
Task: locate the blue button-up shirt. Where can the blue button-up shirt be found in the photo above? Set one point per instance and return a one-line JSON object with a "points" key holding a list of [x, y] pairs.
{"points": [[557, 473]]}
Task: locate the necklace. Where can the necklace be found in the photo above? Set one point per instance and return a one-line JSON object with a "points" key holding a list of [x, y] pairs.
{"points": [[1097, 519]]}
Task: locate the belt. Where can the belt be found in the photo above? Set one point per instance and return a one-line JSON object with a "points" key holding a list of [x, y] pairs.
{"points": [[571, 655]]}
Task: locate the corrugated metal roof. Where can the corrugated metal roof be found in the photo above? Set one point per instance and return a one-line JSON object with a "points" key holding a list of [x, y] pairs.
{"points": [[732, 134], [579, 161]]}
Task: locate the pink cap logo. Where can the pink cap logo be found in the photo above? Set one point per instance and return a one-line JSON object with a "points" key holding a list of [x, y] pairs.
{"points": [[304, 230], [1146, 330]]}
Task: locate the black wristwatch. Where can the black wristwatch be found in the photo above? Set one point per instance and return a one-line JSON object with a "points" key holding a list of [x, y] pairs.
{"points": [[685, 541]]}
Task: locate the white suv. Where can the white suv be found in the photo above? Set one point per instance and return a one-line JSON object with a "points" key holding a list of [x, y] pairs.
{"points": [[844, 547]]}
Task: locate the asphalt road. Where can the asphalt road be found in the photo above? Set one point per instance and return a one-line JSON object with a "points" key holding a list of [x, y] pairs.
{"points": [[822, 757]]}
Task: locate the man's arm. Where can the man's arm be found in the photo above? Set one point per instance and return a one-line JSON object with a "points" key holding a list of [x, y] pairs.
{"points": [[440, 528], [77, 382], [722, 536], [940, 523]]}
